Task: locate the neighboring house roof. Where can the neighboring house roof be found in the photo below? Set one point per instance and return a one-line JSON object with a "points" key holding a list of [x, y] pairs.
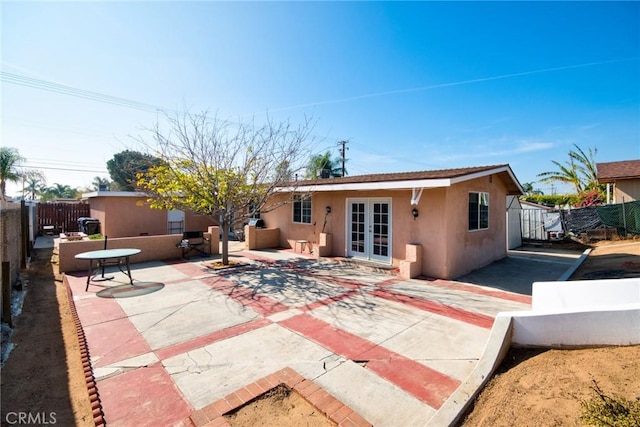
{"points": [[532, 205], [513, 202], [615, 171], [112, 194], [403, 180]]}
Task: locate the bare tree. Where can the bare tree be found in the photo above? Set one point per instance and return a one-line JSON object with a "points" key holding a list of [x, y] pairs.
{"points": [[225, 170]]}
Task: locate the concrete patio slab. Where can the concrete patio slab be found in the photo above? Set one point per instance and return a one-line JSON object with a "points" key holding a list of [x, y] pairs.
{"points": [[383, 403], [393, 350], [166, 318], [211, 372], [474, 298], [522, 267]]}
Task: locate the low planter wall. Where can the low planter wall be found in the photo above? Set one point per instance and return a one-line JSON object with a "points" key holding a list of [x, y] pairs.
{"points": [[152, 248], [576, 314], [584, 294], [606, 326], [261, 238]]}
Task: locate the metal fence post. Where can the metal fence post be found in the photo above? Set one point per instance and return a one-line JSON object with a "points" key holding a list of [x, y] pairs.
{"points": [[624, 218]]}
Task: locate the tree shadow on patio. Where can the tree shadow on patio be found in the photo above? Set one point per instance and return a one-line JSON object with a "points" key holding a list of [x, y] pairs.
{"points": [[300, 284]]}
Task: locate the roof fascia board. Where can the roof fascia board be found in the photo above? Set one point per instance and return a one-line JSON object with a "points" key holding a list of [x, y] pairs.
{"points": [[479, 174], [402, 184], [380, 185], [112, 194], [487, 173]]}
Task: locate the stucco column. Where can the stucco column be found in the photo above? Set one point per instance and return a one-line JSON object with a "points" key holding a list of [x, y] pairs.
{"points": [[214, 239], [250, 240], [411, 266], [325, 243]]}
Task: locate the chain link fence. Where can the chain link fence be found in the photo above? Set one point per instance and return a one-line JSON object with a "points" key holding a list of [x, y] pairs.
{"points": [[623, 218]]}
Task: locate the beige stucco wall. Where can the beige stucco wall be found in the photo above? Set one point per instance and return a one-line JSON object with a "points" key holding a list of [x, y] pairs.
{"points": [[153, 248], [449, 249], [261, 238], [10, 238], [469, 250], [627, 190], [132, 216]]}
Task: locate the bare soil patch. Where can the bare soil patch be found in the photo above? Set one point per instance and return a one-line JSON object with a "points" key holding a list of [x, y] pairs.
{"points": [[611, 260], [543, 387], [43, 376], [546, 387], [283, 407]]}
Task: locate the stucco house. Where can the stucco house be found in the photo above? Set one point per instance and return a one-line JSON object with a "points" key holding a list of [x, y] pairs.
{"points": [[439, 223], [127, 214], [622, 179]]}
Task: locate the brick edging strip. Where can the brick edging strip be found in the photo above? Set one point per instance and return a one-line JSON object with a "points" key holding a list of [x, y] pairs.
{"points": [[92, 388], [335, 410]]}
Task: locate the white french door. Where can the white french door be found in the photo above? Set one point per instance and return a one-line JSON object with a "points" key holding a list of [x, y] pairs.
{"points": [[369, 229]]}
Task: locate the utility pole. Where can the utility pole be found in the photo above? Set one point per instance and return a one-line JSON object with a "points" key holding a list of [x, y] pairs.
{"points": [[343, 153]]}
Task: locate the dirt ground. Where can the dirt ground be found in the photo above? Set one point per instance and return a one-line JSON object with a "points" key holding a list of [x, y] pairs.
{"points": [[43, 375], [282, 407], [43, 379], [542, 387]]}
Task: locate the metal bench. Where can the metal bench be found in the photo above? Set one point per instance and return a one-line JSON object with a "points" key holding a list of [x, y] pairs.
{"points": [[193, 241]]}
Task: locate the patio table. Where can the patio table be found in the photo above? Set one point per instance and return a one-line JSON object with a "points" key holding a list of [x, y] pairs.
{"points": [[108, 257]]}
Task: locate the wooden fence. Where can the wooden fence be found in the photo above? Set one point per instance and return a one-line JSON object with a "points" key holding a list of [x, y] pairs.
{"points": [[63, 217]]}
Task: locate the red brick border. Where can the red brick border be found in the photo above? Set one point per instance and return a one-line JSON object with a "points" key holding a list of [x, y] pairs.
{"points": [[212, 415], [92, 389]]}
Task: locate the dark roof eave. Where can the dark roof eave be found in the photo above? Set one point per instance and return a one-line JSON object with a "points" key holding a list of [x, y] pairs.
{"points": [[426, 179], [609, 172]]}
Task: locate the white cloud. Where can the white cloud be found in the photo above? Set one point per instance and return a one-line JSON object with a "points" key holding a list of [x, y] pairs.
{"points": [[529, 146]]}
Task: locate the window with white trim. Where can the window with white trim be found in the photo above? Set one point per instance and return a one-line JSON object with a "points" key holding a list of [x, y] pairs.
{"points": [[478, 211], [302, 209]]}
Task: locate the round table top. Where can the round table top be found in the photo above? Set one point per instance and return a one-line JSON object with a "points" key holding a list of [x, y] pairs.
{"points": [[108, 253]]}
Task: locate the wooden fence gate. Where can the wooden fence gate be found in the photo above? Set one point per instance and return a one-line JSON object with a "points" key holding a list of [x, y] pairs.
{"points": [[63, 217]]}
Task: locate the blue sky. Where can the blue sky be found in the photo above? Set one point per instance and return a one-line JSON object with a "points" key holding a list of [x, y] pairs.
{"points": [[411, 85]]}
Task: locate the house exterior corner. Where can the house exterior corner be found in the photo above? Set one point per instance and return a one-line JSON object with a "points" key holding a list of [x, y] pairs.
{"points": [[459, 220]]}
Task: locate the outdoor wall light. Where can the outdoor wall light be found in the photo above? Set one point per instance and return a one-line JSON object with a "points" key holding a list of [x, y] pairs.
{"points": [[415, 213], [328, 209]]}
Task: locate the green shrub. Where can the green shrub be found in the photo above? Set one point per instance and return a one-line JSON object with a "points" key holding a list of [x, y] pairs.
{"points": [[612, 411], [549, 200], [95, 236]]}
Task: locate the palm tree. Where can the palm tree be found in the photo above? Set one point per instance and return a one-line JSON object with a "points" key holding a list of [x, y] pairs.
{"points": [[579, 171], [527, 187], [100, 182], [61, 191], [10, 159], [35, 181], [323, 162], [587, 166]]}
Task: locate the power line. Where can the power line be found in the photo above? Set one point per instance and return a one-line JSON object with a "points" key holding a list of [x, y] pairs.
{"points": [[79, 93], [65, 169], [22, 80], [32, 124]]}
